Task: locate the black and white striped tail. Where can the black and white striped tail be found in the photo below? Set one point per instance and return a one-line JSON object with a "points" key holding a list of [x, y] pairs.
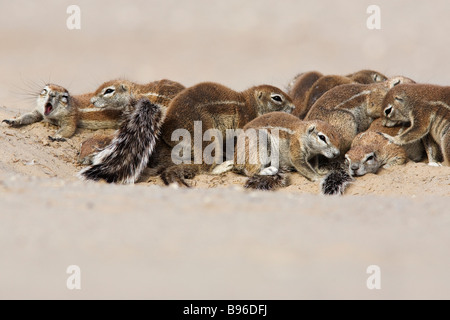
{"points": [[336, 181], [128, 154]]}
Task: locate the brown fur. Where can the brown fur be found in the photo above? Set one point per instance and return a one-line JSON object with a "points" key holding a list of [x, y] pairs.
{"points": [[160, 92], [323, 85], [92, 146], [298, 90], [299, 143], [370, 150], [377, 126], [367, 76], [415, 151], [351, 108], [427, 108], [217, 107], [68, 112]]}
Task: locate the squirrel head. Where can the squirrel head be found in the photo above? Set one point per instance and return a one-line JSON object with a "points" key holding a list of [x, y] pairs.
{"points": [[269, 99], [54, 101], [113, 94]]}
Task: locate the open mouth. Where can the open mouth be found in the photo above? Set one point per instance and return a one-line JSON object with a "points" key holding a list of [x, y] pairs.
{"points": [[48, 108]]}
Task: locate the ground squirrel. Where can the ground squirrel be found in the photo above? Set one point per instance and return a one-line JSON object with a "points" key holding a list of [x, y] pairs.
{"points": [[118, 93], [415, 150], [351, 108], [427, 108], [277, 142], [139, 131], [370, 151], [298, 90], [56, 106], [321, 86], [214, 106], [305, 90]]}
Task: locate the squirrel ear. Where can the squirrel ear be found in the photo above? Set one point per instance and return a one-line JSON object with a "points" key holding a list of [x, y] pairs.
{"points": [[259, 94], [124, 87], [311, 128]]}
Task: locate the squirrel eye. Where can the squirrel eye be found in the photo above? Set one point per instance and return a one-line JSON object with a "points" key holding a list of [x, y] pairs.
{"points": [[370, 158], [322, 137], [108, 91], [277, 98], [398, 99]]}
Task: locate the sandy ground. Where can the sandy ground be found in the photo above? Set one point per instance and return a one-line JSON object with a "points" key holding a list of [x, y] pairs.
{"points": [[214, 241]]}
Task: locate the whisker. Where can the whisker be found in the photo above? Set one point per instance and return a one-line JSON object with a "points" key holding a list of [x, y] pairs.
{"points": [[27, 91]]}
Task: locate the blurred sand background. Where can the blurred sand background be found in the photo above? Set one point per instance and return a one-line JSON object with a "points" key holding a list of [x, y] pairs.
{"points": [[215, 241]]}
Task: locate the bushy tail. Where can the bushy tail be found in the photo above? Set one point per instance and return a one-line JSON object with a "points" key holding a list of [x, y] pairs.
{"points": [[336, 181], [128, 154]]}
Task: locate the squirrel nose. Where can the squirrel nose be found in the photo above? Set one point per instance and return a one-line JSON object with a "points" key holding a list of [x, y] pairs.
{"points": [[354, 166]]}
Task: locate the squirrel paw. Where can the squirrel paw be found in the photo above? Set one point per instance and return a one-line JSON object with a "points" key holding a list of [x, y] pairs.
{"points": [[269, 171], [12, 123]]}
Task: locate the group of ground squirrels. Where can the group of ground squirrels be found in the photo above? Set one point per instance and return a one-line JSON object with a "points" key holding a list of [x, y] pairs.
{"points": [[328, 128]]}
